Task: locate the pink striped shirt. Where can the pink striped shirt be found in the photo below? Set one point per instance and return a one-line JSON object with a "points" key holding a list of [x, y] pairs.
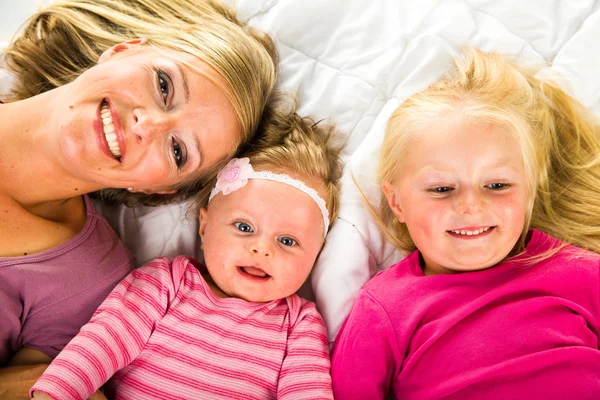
{"points": [[164, 334]]}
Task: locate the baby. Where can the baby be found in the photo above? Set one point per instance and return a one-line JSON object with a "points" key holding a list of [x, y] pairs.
{"points": [[479, 172], [233, 328]]}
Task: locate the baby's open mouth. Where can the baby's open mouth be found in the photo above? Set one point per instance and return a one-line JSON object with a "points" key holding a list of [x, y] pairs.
{"points": [[254, 272]]}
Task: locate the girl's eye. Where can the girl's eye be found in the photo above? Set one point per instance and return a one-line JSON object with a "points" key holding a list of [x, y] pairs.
{"points": [[179, 154], [441, 189], [286, 241], [498, 186], [243, 227], [163, 85]]}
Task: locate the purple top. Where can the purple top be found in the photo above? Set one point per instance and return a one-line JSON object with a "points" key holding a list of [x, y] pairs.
{"points": [[514, 331], [45, 298]]}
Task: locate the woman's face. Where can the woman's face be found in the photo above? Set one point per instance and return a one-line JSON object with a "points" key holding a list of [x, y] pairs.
{"points": [[144, 119]]}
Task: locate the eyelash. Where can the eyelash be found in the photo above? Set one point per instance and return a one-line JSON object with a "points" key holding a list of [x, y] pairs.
{"points": [[503, 186], [281, 240], [178, 150], [447, 189], [163, 79], [440, 190], [179, 154], [238, 224], [294, 243]]}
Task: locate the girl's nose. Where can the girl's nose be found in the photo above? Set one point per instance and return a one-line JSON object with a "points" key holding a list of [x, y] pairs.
{"points": [[470, 202]]}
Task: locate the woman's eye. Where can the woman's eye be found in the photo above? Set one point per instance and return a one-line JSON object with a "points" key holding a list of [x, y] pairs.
{"points": [[163, 85], [286, 241], [243, 227], [178, 154], [498, 186]]}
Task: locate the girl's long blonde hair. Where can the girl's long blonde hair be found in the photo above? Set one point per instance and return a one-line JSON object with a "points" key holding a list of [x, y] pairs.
{"points": [[67, 37], [559, 140]]}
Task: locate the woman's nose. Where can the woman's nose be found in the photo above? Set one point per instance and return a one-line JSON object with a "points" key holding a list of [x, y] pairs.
{"points": [[149, 124]]}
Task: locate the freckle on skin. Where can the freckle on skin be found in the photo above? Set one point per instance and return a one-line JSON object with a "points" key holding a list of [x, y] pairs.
{"points": [[71, 106], [24, 254]]}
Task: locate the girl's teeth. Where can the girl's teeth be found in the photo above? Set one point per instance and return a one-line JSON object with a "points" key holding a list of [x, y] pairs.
{"points": [[471, 233]]}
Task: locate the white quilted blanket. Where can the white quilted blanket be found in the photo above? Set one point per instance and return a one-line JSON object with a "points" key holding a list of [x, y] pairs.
{"points": [[354, 61]]}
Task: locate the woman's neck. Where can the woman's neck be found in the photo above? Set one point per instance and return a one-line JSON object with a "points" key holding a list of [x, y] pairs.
{"points": [[30, 172]]}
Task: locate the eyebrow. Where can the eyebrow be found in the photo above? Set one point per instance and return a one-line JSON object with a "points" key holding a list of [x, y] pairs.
{"points": [[501, 164], [186, 88], [200, 152]]}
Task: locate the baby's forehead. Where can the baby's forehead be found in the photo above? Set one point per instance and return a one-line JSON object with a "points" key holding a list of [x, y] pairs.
{"points": [[309, 180]]}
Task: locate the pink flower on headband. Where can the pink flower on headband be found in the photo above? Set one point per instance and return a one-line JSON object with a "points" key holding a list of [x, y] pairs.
{"points": [[234, 175]]}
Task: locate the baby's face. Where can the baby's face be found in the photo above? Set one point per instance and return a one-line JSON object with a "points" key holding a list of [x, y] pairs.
{"points": [[462, 192], [261, 241]]}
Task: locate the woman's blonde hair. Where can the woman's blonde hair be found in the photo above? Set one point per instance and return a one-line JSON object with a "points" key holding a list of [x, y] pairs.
{"points": [[559, 140], [68, 37], [298, 145]]}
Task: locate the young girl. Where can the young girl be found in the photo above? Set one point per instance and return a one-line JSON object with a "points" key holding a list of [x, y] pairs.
{"points": [[233, 329], [493, 176]]}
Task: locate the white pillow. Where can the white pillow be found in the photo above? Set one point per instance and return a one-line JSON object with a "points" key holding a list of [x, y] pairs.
{"points": [[355, 61]]}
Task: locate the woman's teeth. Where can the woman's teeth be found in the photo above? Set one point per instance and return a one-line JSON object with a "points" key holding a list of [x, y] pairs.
{"points": [[109, 130], [472, 233]]}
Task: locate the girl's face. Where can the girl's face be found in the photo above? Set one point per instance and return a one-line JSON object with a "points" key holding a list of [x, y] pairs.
{"points": [[142, 118], [462, 192], [261, 241]]}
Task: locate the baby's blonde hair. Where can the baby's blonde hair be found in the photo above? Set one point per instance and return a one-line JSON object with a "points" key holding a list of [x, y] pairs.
{"points": [[68, 37], [559, 140], [296, 145]]}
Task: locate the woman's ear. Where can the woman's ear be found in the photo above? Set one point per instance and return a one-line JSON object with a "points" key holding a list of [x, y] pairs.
{"points": [[393, 199], [117, 48]]}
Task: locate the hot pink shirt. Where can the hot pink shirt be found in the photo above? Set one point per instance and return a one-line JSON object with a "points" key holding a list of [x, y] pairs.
{"points": [[164, 334], [513, 331], [45, 298]]}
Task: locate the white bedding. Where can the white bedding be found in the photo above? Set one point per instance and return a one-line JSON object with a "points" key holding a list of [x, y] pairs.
{"points": [[354, 61]]}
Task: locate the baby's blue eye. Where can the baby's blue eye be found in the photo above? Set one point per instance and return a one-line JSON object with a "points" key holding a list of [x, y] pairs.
{"points": [[243, 227], [286, 241]]}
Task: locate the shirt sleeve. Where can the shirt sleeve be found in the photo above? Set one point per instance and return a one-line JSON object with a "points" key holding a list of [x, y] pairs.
{"points": [[598, 316], [115, 335], [365, 358], [306, 369]]}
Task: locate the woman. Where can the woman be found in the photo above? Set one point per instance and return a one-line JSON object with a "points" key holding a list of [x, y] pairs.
{"points": [[135, 100]]}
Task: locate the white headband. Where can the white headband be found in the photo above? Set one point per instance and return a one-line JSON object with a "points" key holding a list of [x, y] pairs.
{"points": [[236, 173]]}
